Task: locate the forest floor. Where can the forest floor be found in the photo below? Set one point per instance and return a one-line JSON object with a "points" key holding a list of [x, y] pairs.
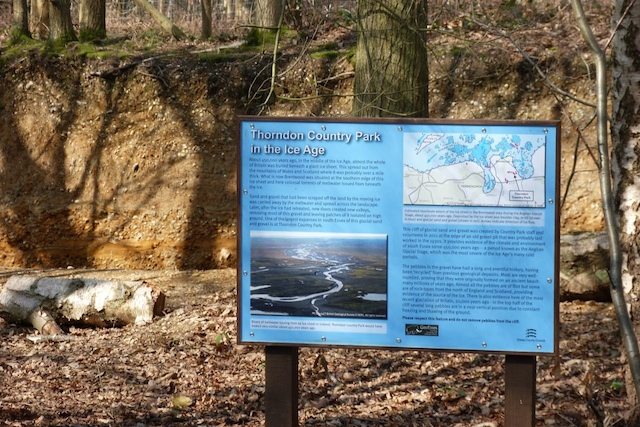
{"points": [[186, 369]]}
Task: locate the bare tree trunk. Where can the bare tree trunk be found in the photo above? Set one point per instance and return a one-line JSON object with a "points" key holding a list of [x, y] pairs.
{"points": [[40, 18], [45, 302], [216, 6], [92, 14], [625, 132], [229, 9], [162, 20], [61, 26], [267, 13], [205, 7], [21, 17], [391, 59]]}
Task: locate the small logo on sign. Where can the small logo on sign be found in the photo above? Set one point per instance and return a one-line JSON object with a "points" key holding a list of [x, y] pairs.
{"points": [[531, 333], [421, 330]]}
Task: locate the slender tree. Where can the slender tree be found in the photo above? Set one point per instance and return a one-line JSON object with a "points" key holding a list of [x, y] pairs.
{"points": [[618, 183], [625, 132], [92, 14], [40, 18], [21, 17], [267, 13], [391, 59], [205, 8], [61, 26]]}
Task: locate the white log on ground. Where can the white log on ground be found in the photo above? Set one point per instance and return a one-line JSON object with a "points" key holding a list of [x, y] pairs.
{"points": [[43, 302]]}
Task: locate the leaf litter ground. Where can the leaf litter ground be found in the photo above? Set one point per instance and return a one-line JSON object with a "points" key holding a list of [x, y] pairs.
{"points": [[186, 369]]}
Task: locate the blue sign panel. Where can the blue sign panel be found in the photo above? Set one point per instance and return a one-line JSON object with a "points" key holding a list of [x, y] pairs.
{"points": [[399, 233]]}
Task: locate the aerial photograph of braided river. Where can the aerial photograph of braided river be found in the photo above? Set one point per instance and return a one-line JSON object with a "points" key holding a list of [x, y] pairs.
{"points": [[319, 274]]}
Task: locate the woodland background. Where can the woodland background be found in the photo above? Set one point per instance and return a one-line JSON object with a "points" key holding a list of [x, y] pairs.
{"points": [[118, 160]]}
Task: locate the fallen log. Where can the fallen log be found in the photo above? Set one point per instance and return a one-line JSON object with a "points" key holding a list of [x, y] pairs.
{"points": [[46, 302]]}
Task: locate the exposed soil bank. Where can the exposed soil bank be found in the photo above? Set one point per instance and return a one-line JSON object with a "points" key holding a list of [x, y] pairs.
{"points": [[133, 165]]}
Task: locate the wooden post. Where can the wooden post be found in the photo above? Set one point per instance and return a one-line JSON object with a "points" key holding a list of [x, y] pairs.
{"points": [[520, 391], [281, 386]]}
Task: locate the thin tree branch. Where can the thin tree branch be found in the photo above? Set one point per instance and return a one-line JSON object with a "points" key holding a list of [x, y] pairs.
{"points": [[583, 139], [580, 138], [573, 171], [533, 63], [254, 81], [341, 76], [312, 97], [301, 55]]}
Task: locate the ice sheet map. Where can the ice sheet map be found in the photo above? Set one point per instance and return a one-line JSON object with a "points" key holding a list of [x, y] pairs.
{"points": [[474, 169]]}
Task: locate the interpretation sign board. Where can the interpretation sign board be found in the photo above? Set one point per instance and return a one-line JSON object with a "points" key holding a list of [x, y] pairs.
{"points": [[387, 233]]}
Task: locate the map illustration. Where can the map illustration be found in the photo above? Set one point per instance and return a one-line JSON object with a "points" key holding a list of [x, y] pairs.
{"points": [[497, 170]]}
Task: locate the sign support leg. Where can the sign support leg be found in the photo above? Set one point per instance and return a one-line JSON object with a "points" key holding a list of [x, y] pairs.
{"points": [[281, 386], [520, 391]]}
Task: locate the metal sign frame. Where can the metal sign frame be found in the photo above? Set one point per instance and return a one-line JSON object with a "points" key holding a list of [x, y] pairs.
{"points": [[341, 186]]}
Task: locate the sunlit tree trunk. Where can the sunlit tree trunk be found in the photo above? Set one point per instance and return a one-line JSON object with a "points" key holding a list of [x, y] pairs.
{"points": [[241, 13], [391, 59], [625, 131], [40, 18], [61, 26], [21, 17], [267, 13], [230, 9], [170, 9], [92, 19], [205, 7]]}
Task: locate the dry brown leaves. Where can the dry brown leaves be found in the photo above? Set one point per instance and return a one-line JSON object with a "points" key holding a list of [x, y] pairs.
{"points": [[185, 369]]}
